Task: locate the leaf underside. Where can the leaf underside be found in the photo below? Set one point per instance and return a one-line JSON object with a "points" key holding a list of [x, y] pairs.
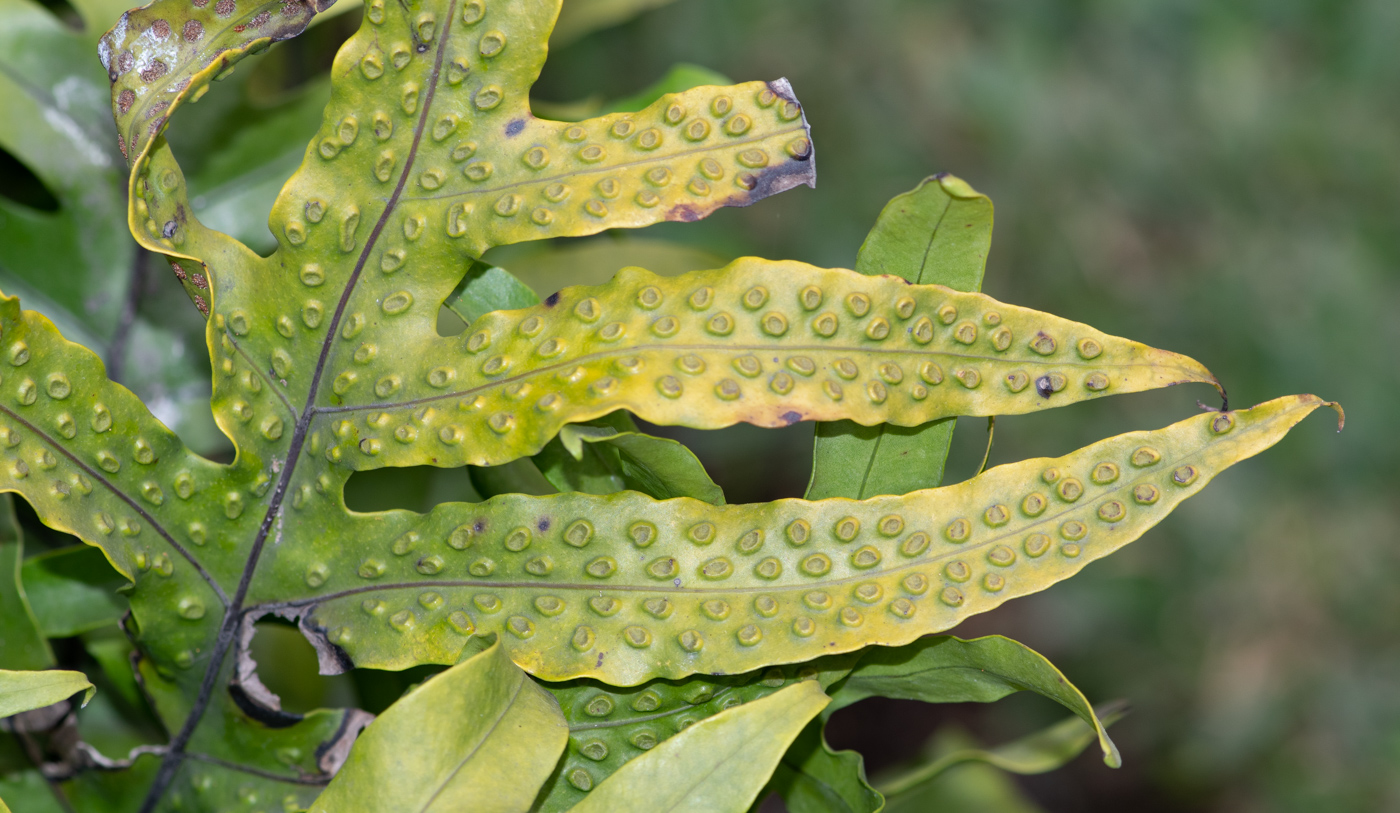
{"points": [[326, 361]]}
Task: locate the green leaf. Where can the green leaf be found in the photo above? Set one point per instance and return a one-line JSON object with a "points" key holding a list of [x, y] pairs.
{"points": [[1036, 753], [608, 727], [22, 642], [769, 343], [73, 590], [812, 778], [944, 669], [625, 588], [681, 76], [480, 736], [238, 182], [548, 267], [516, 477], [112, 651], [26, 691], [716, 765], [968, 787], [28, 791], [488, 288], [597, 458], [938, 669], [582, 17], [938, 233]]}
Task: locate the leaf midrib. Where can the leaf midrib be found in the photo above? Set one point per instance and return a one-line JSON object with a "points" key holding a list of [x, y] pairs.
{"points": [[234, 613], [670, 589], [634, 350], [505, 710], [124, 497], [660, 157]]}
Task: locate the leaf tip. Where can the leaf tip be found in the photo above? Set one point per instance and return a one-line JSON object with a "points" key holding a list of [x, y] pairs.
{"points": [[956, 187], [1341, 414]]}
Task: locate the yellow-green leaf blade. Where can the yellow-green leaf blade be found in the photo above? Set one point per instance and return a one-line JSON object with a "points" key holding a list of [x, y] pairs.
{"points": [[938, 233], [715, 766], [480, 736], [624, 588], [26, 691], [166, 53], [769, 343]]}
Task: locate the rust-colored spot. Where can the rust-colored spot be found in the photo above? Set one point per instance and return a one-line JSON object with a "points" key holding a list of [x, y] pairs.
{"points": [[224, 7], [125, 100], [154, 71], [161, 29], [192, 31]]}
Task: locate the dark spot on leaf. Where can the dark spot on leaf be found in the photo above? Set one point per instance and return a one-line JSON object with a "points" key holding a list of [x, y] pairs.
{"points": [[778, 177], [153, 71], [479, 526], [791, 418], [683, 214], [168, 230], [552, 300], [1042, 386], [600, 660], [514, 127], [543, 524]]}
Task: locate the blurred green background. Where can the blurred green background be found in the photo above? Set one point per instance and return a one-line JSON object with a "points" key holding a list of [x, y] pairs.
{"points": [[1217, 178]]}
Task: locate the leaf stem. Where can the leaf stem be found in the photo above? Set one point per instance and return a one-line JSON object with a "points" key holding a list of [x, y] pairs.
{"points": [[233, 613]]}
